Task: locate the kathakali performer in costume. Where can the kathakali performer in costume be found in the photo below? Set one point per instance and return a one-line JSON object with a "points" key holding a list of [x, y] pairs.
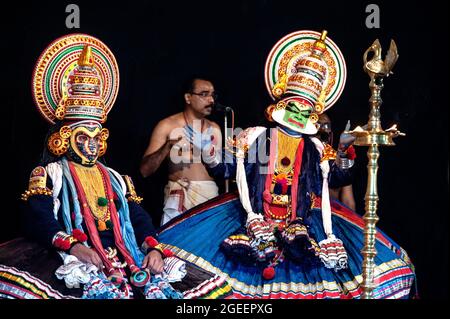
{"points": [[82, 210], [282, 236]]}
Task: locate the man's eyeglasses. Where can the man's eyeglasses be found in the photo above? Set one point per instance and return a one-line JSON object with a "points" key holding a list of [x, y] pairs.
{"points": [[205, 94]]}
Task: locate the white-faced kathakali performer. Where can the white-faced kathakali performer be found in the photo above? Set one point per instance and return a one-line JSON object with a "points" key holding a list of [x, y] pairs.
{"points": [[282, 236], [82, 210]]}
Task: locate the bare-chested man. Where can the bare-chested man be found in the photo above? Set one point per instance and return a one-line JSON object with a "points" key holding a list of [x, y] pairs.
{"points": [[176, 138]]}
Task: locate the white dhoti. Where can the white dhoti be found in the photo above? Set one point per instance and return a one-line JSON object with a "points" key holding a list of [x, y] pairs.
{"points": [[182, 195]]}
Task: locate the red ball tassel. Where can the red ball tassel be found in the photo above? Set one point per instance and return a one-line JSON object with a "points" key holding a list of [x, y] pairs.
{"points": [[269, 273], [66, 245], [58, 243], [168, 253], [79, 235], [62, 244], [351, 153], [151, 241]]}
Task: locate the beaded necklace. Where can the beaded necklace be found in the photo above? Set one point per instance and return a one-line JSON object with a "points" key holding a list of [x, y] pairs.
{"points": [[94, 186], [287, 147], [286, 154]]}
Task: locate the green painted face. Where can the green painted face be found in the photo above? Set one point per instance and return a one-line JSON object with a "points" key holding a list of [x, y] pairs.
{"points": [[296, 115]]}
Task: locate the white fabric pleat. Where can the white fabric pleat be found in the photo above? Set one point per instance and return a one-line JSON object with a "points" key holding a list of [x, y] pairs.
{"points": [[326, 207], [54, 171], [241, 178]]}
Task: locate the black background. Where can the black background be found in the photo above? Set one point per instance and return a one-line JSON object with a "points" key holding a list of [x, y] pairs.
{"points": [[158, 44]]}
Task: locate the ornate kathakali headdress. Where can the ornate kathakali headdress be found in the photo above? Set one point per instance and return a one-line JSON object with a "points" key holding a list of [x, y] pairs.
{"points": [[75, 81], [305, 74]]}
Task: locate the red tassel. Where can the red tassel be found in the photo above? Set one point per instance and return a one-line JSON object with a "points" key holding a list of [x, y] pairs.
{"points": [[151, 241], [168, 253], [351, 153], [79, 235], [66, 245], [58, 243], [62, 244], [269, 273]]}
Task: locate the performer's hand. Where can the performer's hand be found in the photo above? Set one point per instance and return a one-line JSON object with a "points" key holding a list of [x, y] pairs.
{"points": [[346, 139], [154, 262], [86, 255]]}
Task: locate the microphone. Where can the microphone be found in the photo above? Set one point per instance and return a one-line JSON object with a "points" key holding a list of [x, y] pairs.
{"points": [[222, 108]]}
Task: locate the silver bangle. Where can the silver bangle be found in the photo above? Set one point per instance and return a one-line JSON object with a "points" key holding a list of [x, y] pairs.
{"points": [[345, 163]]}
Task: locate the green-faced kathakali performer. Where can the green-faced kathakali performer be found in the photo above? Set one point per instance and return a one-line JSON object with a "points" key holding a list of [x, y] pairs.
{"points": [[283, 237]]}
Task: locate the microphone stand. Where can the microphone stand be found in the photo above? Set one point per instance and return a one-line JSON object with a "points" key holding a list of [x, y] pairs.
{"points": [[227, 181], [225, 110]]}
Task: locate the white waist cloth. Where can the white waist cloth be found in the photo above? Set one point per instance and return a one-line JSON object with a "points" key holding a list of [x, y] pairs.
{"points": [[183, 194]]}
